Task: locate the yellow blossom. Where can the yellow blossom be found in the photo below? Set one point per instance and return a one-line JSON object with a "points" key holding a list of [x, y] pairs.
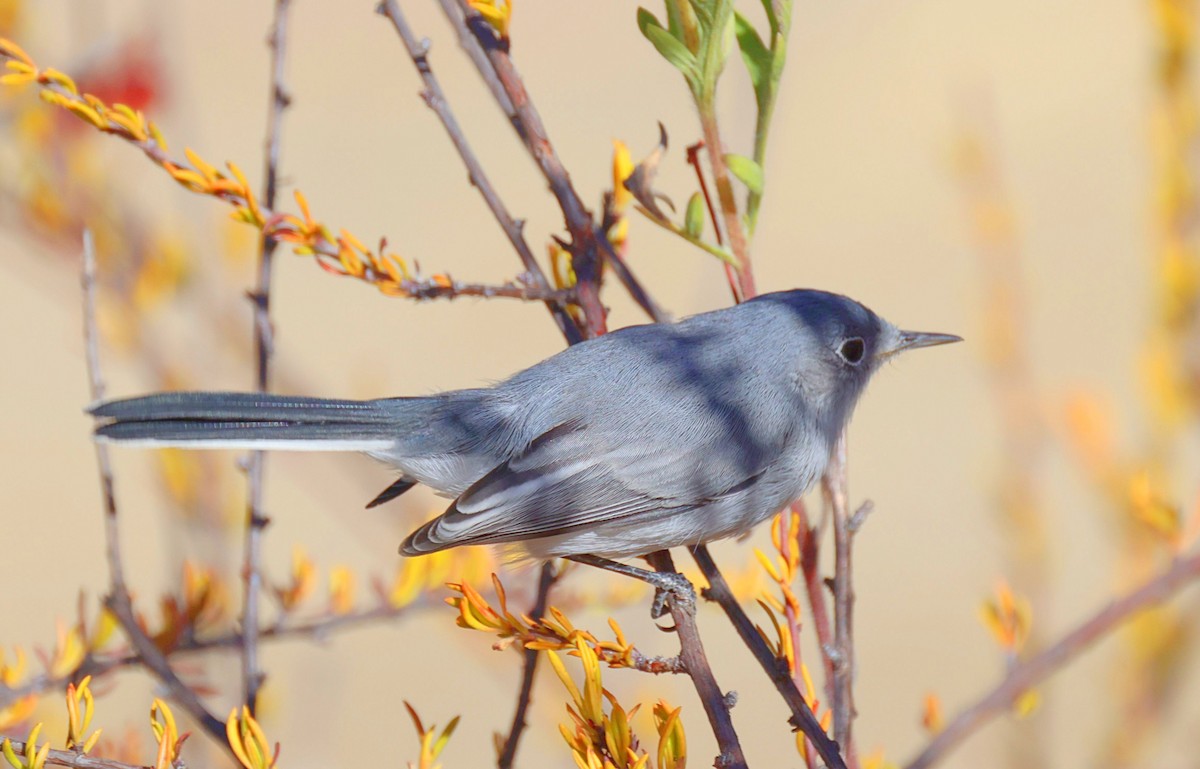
{"points": [[1008, 617], [33, 756], [432, 743], [341, 590], [248, 741], [498, 13]]}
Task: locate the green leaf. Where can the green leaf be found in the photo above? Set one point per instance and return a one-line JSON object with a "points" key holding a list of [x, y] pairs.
{"points": [[693, 222], [773, 14], [671, 48], [747, 171], [758, 60]]}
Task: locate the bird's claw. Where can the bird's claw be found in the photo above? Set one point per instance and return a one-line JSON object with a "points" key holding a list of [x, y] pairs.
{"points": [[667, 585]]}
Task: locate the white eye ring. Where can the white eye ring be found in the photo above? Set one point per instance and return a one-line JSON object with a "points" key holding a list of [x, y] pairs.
{"points": [[852, 350]]}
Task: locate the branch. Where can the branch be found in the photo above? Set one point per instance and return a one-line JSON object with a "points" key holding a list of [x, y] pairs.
{"points": [[528, 125], [80, 760], [834, 486], [731, 275], [728, 204], [118, 601], [316, 628], [1029, 673], [616, 260], [343, 254], [264, 343], [529, 668], [810, 542], [435, 99], [691, 651], [776, 669]]}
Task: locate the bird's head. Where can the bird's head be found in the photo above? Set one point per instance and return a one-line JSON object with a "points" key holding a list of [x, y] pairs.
{"points": [[838, 345]]}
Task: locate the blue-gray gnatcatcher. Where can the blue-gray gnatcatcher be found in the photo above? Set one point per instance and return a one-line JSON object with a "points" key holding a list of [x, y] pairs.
{"points": [[647, 438]]}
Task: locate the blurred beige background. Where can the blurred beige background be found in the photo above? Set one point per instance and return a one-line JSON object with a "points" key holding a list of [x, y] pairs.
{"points": [[862, 199]]}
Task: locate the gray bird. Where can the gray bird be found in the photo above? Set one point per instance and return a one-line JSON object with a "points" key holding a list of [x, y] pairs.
{"points": [[647, 438]]}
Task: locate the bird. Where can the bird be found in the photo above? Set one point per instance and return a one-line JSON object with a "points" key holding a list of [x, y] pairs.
{"points": [[646, 438]]}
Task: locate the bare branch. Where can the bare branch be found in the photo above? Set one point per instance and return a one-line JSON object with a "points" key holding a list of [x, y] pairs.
{"points": [[418, 50], [80, 760], [584, 246], [549, 575], [1031, 672], [776, 669], [264, 342], [616, 260], [809, 540], [691, 650], [118, 598], [313, 628], [836, 496]]}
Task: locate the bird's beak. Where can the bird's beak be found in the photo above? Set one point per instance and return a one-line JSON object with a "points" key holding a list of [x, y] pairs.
{"points": [[911, 340]]}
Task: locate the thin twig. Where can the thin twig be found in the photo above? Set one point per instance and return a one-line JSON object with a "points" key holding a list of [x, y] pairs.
{"points": [[728, 204], [481, 47], [789, 550], [810, 541], [264, 343], [731, 276], [691, 649], [329, 254], [616, 259], [418, 50], [153, 659], [118, 601], [549, 575], [834, 486], [802, 716], [478, 57], [1029, 673], [76, 760], [584, 246], [314, 629]]}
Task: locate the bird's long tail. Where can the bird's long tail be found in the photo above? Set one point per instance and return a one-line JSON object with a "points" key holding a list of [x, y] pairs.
{"points": [[254, 421]]}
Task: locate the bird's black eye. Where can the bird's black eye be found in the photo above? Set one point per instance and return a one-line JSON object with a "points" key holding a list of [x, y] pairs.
{"points": [[852, 350]]}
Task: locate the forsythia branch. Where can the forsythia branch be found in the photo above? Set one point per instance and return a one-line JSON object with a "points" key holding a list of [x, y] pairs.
{"points": [[341, 254]]}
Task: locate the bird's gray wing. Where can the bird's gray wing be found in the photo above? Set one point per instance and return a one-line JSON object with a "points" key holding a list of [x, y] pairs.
{"points": [[568, 478]]}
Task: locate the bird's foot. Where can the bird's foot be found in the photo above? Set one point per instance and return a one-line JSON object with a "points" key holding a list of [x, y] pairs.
{"points": [[670, 584]]}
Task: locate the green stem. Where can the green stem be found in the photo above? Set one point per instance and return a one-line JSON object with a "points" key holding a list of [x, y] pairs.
{"points": [[762, 125], [717, 251]]}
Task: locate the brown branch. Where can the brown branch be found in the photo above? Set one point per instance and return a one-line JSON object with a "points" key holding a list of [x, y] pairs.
{"points": [[584, 247], [478, 57], [616, 260], [546, 580], [335, 254], [435, 99], [834, 486], [118, 601], [264, 343], [729, 210], [81, 760], [790, 546], [777, 669], [1029, 673], [809, 540], [314, 628], [691, 651], [693, 159], [476, 50]]}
